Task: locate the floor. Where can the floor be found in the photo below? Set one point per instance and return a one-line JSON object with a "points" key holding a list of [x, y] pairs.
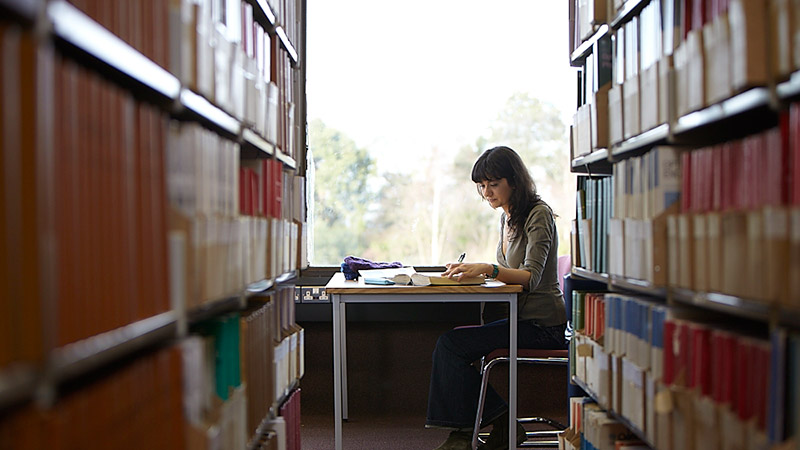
{"points": [[388, 369]]}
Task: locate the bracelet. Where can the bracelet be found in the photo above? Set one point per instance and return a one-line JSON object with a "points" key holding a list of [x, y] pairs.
{"points": [[495, 271]]}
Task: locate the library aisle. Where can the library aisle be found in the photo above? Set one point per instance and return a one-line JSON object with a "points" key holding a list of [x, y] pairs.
{"points": [[152, 223], [686, 142]]}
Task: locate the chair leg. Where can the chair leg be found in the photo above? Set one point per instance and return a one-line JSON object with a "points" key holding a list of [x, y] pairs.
{"points": [[485, 368], [481, 401]]}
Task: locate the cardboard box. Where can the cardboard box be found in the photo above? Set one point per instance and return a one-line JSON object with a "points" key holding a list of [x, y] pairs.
{"points": [[633, 393], [794, 33], [666, 90], [734, 435], [716, 41], [602, 383], [683, 419], [781, 24], [734, 252], [663, 407], [714, 239], [700, 260], [696, 87], [686, 271], [776, 255], [616, 246], [755, 263], [616, 383], [749, 50], [583, 351], [658, 242], [615, 115], [673, 251], [707, 427], [630, 107], [649, 98], [649, 407], [680, 60], [794, 257], [600, 117]]}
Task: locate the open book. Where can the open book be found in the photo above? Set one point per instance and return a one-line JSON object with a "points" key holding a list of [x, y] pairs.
{"points": [[409, 276]]}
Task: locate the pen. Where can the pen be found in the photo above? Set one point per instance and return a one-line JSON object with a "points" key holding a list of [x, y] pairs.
{"points": [[461, 258]]}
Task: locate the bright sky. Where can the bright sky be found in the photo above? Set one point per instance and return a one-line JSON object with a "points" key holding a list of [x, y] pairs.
{"points": [[402, 77]]}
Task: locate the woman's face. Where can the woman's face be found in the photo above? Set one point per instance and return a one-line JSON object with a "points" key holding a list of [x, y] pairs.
{"points": [[496, 192]]}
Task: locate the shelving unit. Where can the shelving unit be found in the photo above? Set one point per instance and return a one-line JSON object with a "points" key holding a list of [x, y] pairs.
{"points": [[83, 42], [110, 53], [639, 433], [586, 47], [751, 115]]}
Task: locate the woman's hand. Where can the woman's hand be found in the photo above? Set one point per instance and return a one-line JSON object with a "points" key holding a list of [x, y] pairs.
{"points": [[457, 270]]}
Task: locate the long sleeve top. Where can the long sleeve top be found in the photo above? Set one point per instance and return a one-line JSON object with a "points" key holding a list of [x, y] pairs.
{"points": [[535, 250]]}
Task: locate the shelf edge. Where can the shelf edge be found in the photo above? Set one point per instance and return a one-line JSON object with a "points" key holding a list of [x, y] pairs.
{"points": [[88, 354], [205, 109], [582, 50], [80, 31], [630, 8], [649, 138]]}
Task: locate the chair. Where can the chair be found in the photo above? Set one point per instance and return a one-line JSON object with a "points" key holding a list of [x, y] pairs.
{"points": [[559, 357], [524, 356]]}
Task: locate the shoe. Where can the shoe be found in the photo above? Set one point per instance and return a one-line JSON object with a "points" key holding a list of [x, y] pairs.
{"points": [[458, 440], [498, 438]]}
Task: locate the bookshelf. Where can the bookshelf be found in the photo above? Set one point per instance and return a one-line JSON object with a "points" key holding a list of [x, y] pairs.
{"points": [[716, 104], [138, 251]]}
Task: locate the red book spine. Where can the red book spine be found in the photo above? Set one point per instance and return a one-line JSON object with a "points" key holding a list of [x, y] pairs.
{"points": [[269, 187], [698, 14], [738, 164], [701, 361], [269, 184], [162, 122], [589, 311], [683, 354], [794, 153], [67, 151], [716, 178], [253, 192], [686, 181], [785, 165], [742, 399], [761, 389], [278, 188], [600, 313], [686, 22], [669, 352], [705, 180]]}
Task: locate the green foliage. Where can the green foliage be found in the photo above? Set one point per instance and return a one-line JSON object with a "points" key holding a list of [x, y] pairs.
{"points": [[432, 215], [341, 194]]}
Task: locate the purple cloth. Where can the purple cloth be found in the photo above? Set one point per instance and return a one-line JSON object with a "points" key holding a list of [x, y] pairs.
{"points": [[352, 264]]}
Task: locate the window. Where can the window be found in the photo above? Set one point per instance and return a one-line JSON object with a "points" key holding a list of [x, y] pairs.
{"points": [[404, 96]]}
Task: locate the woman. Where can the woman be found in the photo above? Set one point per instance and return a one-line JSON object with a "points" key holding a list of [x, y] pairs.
{"points": [[526, 255]]}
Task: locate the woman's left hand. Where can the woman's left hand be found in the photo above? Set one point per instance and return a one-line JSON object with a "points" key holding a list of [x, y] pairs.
{"points": [[457, 270]]}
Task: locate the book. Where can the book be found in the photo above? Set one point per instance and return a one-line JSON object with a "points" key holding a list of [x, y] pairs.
{"points": [[409, 276]]}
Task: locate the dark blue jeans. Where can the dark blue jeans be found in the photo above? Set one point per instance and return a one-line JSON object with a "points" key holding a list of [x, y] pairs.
{"points": [[456, 383]]}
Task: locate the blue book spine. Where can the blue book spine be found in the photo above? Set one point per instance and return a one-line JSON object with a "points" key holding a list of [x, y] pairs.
{"points": [[657, 334]]}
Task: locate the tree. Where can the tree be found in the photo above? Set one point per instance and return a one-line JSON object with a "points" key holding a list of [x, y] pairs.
{"points": [[342, 194], [535, 130]]}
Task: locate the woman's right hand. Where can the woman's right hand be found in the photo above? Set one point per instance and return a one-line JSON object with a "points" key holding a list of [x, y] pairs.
{"points": [[451, 269], [457, 270]]}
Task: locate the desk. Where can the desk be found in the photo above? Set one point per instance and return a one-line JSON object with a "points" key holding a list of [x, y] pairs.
{"points": [[343, 292]]}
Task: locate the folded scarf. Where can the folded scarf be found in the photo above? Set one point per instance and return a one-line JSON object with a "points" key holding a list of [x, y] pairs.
{"points": [[352, 264]]}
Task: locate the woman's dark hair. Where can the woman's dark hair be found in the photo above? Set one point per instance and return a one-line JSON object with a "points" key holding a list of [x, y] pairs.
{"points": [[503, 162]]}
